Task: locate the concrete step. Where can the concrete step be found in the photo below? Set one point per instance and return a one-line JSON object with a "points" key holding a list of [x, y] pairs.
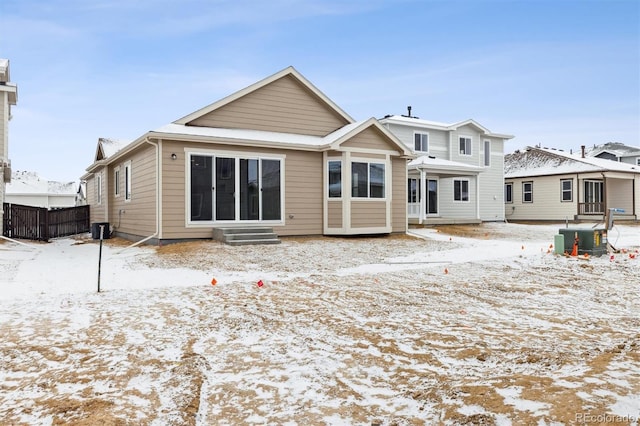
{"points": [[245, 235], [252, 242], [251, 236]]}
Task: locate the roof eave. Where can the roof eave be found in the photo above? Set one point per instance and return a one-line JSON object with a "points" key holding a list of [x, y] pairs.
{"points": [[235, 141]]}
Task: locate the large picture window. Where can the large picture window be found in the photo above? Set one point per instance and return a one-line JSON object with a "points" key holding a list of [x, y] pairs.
{"points": [[367, 180]]}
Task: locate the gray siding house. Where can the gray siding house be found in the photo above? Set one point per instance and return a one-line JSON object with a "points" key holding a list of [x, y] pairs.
{"points": [[457, 172]]}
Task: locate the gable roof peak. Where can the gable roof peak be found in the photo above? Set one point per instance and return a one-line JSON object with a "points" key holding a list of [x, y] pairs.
{"points": [[288, 71]]}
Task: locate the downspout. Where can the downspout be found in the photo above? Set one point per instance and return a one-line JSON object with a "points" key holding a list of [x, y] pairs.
{"points": [[577, 195], [158, 181], [604, 193], [423, 199], [478, 196]]}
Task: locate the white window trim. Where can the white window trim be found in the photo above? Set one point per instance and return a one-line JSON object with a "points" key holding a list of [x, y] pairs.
{"points": [[116, 182], [562, 191], [421, 144], [470, 145], [127, 182], [468, 200]]}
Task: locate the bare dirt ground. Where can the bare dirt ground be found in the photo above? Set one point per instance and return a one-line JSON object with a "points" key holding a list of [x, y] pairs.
{"points": [[531, 339]]}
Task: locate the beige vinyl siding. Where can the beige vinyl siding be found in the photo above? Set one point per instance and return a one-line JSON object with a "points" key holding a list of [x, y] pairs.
{"points": [[399, 195], [282, 106], [334, 213], [369, 139], [302, 191], [137, 216], [97, 212], [304, 194], [618, 194], [173, 194], [368, 214], [546, 203]]}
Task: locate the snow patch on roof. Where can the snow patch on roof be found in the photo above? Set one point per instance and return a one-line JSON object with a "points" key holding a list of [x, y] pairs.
{"points": [[258, 135], [429, 161], [111, 146], [617, 148], [26, 182], [546, 161]]}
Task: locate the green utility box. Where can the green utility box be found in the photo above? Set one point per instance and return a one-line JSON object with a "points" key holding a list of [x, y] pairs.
{"points": [[591, 241], [558, 244]]}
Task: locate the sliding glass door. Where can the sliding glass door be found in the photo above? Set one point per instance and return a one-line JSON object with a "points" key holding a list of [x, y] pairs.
{"points": [[234, 189]]}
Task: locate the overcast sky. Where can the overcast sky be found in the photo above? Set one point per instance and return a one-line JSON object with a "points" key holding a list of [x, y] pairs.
{"points": [[561, 73]]}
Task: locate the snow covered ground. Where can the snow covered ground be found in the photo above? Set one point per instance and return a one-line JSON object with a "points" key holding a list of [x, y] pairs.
{"points": [[433, 328]]}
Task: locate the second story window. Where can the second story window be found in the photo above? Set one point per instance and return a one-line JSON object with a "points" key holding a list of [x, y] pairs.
{"points": [[487, 153], [465, 145], [421, 142]]}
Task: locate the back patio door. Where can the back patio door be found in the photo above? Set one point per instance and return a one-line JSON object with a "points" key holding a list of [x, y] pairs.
{"points": [[234, 189]]}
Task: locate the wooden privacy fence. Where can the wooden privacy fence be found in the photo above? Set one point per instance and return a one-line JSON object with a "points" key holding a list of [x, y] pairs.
{"points": [[37, 223]]}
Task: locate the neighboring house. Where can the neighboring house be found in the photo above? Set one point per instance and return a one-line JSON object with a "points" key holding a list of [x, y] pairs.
{"points": [[28, 189], [8, 97], [81, 194], [457, 176], [548, 184], [278, 153], [616, 151]]}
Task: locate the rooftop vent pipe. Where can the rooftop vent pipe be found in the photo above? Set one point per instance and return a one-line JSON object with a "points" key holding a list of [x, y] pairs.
{"points": [[582, 150], [409, 111]]}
